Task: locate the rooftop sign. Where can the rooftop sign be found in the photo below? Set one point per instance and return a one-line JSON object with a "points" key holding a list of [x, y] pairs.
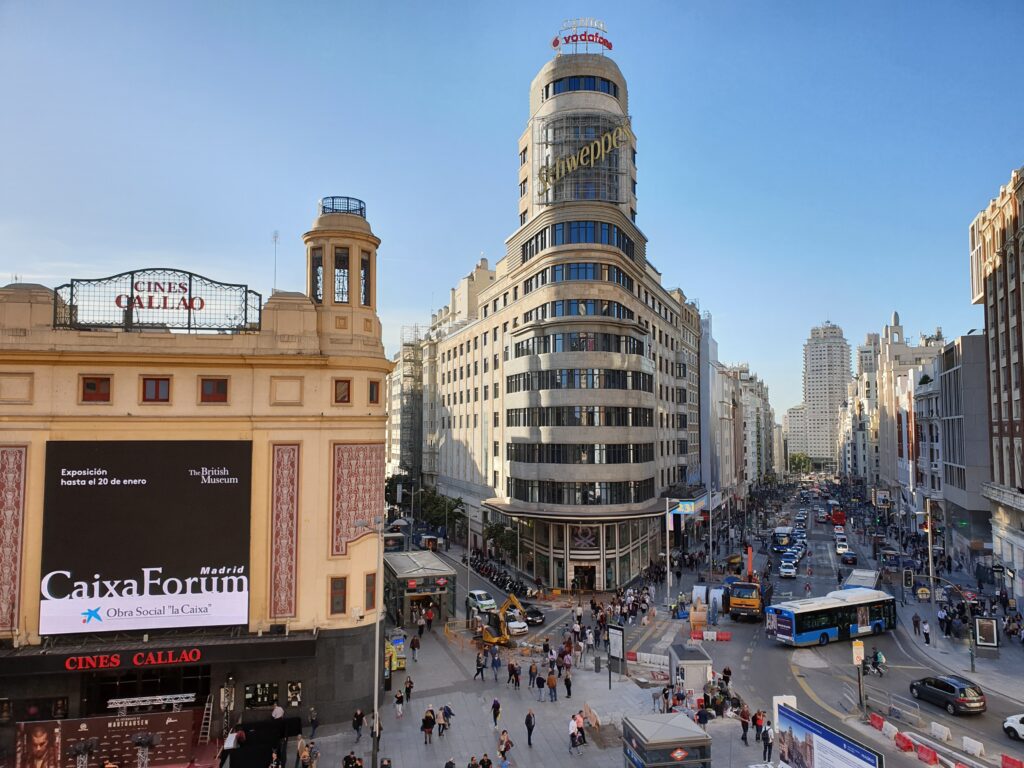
{"points": [[156, 298], [583, 31]]}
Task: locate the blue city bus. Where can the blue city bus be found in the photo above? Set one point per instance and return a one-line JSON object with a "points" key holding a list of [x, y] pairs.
{"points": [[782, 538], [839, 615]]}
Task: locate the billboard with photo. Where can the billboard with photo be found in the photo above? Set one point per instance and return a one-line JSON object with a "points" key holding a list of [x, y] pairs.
{"points": [[144, 535], [804, 742]]}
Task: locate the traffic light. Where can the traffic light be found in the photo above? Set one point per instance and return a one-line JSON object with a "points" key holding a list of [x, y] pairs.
{"points": [[908, 578]]}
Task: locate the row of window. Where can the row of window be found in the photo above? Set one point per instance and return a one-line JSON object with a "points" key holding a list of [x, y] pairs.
{"points": [[212, 389], [578, 271], [579, 378], [341, 276], [581, 83], [571, 232], [580, 453], [552, 492], [579, 307], [579, 341], [580, 416], [339, 594]]}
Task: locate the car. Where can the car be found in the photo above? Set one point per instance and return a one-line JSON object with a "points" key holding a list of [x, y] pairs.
{"points": [[848, 558], [481, 600], [800, 534], [836, 530], [842, 547], [516, 626], [534, 615], [787, 570], [957, 695], [1013, 726]]}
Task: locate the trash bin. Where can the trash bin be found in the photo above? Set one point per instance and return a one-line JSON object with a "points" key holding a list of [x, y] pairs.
{"points": [[597, 663]]}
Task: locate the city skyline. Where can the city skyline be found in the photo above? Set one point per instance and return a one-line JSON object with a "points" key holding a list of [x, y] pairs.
{"points": [[186, 137]]}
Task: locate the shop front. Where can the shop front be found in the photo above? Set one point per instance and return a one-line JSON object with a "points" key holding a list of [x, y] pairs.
{"points": [[418, 580]]}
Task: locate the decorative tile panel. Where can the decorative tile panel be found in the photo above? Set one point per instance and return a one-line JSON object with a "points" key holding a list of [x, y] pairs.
{"points": [[12, 533], [358, 491], [284, 527]]}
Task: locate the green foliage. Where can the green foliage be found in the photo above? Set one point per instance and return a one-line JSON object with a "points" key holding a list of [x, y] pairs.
{"points": [[503, 537], [799, 463]]}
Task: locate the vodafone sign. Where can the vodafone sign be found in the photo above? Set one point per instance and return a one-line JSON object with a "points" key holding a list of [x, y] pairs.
{"points": [[583, 31]]}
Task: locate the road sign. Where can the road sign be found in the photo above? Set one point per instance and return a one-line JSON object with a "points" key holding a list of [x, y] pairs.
{"points": [[615, 642], [858, 651]]}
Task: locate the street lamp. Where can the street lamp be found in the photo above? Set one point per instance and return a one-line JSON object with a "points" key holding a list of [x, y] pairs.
{"points": [[378, 598]]}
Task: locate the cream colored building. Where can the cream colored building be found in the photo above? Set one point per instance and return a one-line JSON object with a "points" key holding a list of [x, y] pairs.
{"points": [[561, 388], [297, 389]]}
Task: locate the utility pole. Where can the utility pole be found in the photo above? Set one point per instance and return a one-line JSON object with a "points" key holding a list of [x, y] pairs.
{"points": [[931, 554]]}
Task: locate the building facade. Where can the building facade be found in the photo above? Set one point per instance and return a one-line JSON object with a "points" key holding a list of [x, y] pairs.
{"points": [[826, 374], [404, 391], [562, 398], [221, 481], [997, 248]]}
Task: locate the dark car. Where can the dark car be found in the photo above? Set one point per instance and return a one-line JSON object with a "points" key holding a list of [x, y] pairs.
{"points": [[534, 615], [849, 558], [957, 695]]}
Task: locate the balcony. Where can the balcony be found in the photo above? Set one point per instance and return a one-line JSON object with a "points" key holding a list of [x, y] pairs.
{"points": [[1003, 494], [349, 205]]}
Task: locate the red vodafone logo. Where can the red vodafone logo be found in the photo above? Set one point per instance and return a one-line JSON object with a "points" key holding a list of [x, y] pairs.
{"points": [[554, 41]]}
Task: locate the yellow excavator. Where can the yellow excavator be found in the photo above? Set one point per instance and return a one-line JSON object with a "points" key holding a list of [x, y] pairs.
{"points": [[494, 626]]}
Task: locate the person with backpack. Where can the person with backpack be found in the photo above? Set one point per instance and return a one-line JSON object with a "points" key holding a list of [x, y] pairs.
{"points": [[504, 744], [768, 740]]}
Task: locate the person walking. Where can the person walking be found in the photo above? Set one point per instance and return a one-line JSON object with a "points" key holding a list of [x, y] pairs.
{"points": [[768, 740], [568, 684], [552, 687], [530, 723], [358, 721], [495, 712], [399, 703], [449, 715], [926, 630], [415, 645], [916, 620], [510, 667], [442, 723], [314, 722], [581, 734], [533, 673], [495, 663], [504, 745], [427, 726], [429, 616], [485, 761], [408, 688], [745, 723], [758, 724], [541, 683], [481, 664], [421, 625]]}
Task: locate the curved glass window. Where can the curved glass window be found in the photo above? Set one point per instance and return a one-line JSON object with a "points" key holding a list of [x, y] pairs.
{"points": [[571, 232], [579, 341], [578, 271], [581, 83], [551, 492], [579, 378], [580, 453], [580, 416], [579, 307]]}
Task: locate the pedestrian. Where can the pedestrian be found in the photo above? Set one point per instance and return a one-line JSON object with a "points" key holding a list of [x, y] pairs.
{"points": [[450, 763], [442, 723], [533, 673], [300, 747], [314, 722], [504, 745], [480, 666], [399, 703], [429, 615], [518, 675], [495, 712], [702, 717], [511, 669], [758, 724], [358, 721], [485, 761], [415, 645], [745, 723], [449, 715], [408, 688], [531, 723], [573, 736], [916, 620], [421, 625], [568, 684], [427, 726], [927, 631], [727, 676], [552, 687], [581, 735], [541, 684], [495, 663], [768, 740], [473, 762]]}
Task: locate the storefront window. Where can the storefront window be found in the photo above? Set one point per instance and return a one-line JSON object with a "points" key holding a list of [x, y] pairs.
{"points": [[559, 535], [559, 572], [609, 536], [623, 539], [634, 531], [644, 558], [543, 535], [543, 566], [634, 562], [623, 568], [609, 573]]}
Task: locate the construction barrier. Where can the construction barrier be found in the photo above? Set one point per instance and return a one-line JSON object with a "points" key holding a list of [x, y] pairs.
{"points": [[940, 731], [973, 747], [711, 635], [890, 730], [630, 655], [927, 755], [1011, 762], [903, 743], [876, 721]]}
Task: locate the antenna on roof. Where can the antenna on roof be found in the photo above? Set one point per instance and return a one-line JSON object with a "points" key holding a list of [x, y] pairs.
{"points": [[275, 237]]}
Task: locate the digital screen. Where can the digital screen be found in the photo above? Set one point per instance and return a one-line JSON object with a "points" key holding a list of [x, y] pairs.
{"points": [[141, 535]]}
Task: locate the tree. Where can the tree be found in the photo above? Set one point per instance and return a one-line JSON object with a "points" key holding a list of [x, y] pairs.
{"points": [[799, 463], [504, 539]]}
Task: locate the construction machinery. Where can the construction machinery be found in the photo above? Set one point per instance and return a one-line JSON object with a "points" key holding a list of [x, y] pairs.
{"points": [[747, 598], [494, 625]]}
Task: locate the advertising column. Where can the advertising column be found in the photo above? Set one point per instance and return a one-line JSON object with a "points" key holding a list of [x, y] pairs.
{"points": [[145, 535]]}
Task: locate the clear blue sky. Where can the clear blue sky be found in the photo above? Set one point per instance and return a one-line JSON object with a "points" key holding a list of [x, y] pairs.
{"points": [[799, 161]]}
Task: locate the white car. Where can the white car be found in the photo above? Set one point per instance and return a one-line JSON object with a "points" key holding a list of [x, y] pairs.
{"points": [[481, 600], [787, 570], [515, 625], [1013, 727], [841, 546], [838, 530]]}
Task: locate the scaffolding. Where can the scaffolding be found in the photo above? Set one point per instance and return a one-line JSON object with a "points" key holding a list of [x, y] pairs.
{"points": [[557, 142], [410, 438]]}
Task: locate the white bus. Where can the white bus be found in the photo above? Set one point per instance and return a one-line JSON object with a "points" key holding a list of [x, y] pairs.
{"points": [[838, 615], [862, 577]]}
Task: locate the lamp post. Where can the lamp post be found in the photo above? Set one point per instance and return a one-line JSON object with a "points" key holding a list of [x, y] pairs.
{"points": [[378, 527]]}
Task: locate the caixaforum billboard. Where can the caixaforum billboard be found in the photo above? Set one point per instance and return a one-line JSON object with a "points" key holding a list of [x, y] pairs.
{"points": [[143, 535]]}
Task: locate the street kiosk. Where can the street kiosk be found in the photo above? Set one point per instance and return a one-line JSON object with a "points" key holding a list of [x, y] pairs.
{"points": [[650, 741], [418, 579]]}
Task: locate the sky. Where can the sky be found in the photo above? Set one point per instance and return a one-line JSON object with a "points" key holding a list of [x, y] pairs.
{"points": [[798, 161]]}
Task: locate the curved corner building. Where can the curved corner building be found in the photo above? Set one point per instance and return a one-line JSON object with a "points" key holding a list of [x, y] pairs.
{"points": [[561, 387]]}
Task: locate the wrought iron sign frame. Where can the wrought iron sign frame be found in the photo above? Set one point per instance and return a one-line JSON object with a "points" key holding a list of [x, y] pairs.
{"points": [[157, 298]]}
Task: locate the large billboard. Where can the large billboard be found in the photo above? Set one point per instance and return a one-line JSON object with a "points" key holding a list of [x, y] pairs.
{"points": [[141, 535], [804, 742]]}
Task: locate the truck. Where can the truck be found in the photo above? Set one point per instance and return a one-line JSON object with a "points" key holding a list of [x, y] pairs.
{"points": [[748, 598]]}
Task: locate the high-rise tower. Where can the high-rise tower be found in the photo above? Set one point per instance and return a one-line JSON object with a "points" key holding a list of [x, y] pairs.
{"points": [[826, 374]]}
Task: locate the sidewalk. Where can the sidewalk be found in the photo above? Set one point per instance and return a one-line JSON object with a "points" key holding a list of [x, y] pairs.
{"points": [[443, 675], [1001, 676]]}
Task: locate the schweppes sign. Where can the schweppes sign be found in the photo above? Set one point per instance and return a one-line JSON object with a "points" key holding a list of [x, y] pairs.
{"points": [[588, 155]]}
